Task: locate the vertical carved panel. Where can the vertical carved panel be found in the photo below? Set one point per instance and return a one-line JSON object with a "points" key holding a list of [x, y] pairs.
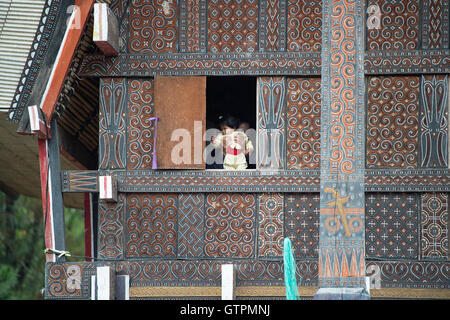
{"points": [[140, 128], [434, 121], [399, 29], [270, 224], [302, 223], [271, 122], [193, 26], [111, 228], [434, 226], [151, 225], [341, 245], [435, 33], [191, 224], [273, 24], [391, 225], [112, 139], [392, 122], [232, 25], [230, 225], [153, 26], [304, 25], [303, 123]]}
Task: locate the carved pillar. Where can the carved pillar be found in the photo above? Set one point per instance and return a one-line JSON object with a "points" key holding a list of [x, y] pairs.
{"points": [[341, 245]]}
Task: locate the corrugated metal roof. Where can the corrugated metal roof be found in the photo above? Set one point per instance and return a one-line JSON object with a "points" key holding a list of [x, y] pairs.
{"points": [[18, 23]]}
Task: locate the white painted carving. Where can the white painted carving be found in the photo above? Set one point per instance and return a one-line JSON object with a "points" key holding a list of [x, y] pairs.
{"points": [[74, 278], [374, 273], [374, 19]]}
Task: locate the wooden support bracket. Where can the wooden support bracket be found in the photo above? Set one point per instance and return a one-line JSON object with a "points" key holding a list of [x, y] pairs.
{"points": [[106, 30]]}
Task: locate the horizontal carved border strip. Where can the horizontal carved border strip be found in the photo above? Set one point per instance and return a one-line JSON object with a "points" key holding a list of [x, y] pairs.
{"points": [[245, 291], [280, 291], [413, 61], [147, 65], [275, 63], [255, 181]]}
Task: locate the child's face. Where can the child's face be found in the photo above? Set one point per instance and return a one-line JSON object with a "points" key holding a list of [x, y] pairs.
{"points": [[227, 130]]}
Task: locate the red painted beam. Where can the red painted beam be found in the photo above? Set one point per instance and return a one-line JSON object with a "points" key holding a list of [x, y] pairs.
{"points": [[65, 55], [46, 198]]}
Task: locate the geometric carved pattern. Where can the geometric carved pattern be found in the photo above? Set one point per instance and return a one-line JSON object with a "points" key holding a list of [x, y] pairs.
{"points": [[392, 122], [191, 224], [111, 228], [193, 18], [303, 123], [272, 22], [271, 273], [69, 280], [112, 113], [271, 122], [230, 225], [270, 224], [232, 26], [301, 223], [392, 225], [217, 181], [304, 25], [435, 33], [153, 26], [399, 29], [151, 225], [434, 121], [174, 273], [434, 226], [410, 61], [140, 128], [426, 275], [80, 181]]}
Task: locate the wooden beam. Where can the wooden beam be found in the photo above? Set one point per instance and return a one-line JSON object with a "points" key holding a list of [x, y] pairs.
{"points": [[51, 191], [106, 30], [228, 282], [72, 149], [106, 283], [66, 52]]}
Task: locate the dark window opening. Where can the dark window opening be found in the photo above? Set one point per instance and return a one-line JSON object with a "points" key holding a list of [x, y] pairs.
{"points": [[235, 96]]}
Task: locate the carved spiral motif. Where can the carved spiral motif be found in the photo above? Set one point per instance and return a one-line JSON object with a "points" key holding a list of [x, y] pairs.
{"points": [[392, 122], [303, 123]]}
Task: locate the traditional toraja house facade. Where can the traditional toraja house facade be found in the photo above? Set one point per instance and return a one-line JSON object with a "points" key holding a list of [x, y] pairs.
{"points": [[349, 100]]}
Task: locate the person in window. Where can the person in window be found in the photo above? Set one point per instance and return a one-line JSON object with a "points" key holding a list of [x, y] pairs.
{"points": [[235, 143]]}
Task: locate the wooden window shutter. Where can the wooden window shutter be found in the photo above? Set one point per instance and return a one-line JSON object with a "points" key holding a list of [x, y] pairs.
{"points": [[180, 105]]}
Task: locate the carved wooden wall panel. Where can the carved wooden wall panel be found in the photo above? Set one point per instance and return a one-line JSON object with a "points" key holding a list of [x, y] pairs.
{"points": [[271, 122], [303, 123], [191, 225], [153, 26], [301, 223], [112, 124], [392, 122], [399, 26], [151, 225], [434, 226], [434, 122], [270, 224], [304, 27], [392, 225], [111, 224], [232, 25], [140, 129], [230, 225], [435, 33]]}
